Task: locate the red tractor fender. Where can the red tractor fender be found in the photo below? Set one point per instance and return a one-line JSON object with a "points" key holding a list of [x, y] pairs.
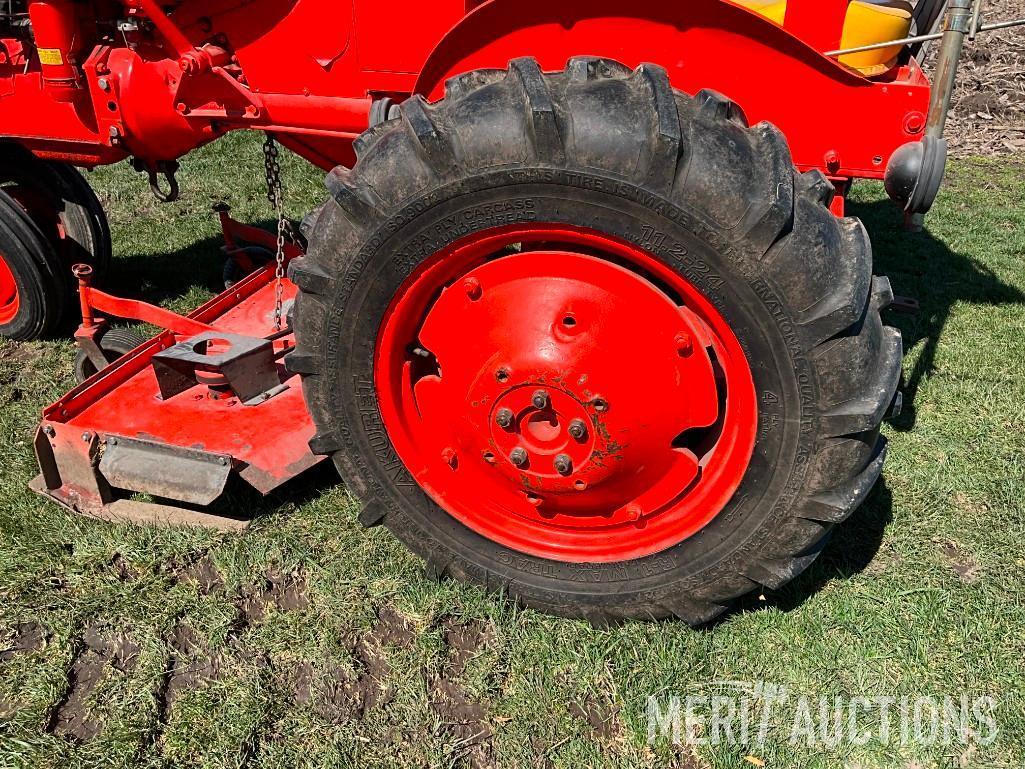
{"points": [[834, 119]]}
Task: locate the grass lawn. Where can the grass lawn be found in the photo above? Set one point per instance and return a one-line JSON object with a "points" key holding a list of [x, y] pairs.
{"points": [[307, 641]]}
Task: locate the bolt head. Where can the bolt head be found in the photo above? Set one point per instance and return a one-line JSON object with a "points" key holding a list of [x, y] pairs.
{"points": [[86, 437], [49, 431], [504, 418], [540, 399], [103, 83], [518, 456], [577, 429], [563, 464]]}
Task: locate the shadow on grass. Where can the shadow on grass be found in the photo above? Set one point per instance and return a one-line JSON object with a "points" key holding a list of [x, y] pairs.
{"points": [[923, 268], [848, 550], [242, 500], [162, 277]]}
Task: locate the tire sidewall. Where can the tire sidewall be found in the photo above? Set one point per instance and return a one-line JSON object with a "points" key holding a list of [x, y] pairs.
{"points": [[33, 284], [694, 248]]}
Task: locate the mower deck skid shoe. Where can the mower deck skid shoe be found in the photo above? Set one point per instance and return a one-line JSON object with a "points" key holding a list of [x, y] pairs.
{"points": [[174, 418]]}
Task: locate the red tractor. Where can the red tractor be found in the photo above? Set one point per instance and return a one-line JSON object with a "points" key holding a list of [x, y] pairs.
{"points": [[581, 320]]}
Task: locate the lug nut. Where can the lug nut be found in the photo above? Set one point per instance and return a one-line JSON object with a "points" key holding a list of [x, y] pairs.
{"points": [[577, 429], [504, 418], [539, 399], [563, 464], [518, 456]]}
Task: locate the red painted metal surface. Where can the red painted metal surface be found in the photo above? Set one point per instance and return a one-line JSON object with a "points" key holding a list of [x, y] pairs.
{"points": [[572, 408], [308, 70], [9, 302], [267, 443], [834, 119]]}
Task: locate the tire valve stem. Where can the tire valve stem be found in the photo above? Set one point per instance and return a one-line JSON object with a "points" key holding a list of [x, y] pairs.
{"points": [[518, 456], [472, 288], [448, 456], [684, 344], [633, 513]]}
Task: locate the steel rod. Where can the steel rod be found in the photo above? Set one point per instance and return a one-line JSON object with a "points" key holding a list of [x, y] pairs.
{"points": [[922, 38]]}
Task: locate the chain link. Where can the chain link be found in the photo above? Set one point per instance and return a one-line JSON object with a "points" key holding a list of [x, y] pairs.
{"points": [[272, 171]]}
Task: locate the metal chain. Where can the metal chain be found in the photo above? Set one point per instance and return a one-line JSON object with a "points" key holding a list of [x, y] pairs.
{"points": [[272, 171]]}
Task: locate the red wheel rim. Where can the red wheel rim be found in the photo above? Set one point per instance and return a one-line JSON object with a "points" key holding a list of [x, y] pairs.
{"points": [[565, 394], [9, 301]]}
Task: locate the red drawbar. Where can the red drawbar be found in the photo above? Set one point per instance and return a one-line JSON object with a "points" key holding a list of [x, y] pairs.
{"points": [[565, 394], [9, 301]]}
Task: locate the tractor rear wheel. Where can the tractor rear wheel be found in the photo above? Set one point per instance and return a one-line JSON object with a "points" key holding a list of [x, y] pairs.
{"points": [[594, 343]]}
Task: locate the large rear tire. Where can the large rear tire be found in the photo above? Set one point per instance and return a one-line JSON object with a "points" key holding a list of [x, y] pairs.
{"points": [[749, 414]]}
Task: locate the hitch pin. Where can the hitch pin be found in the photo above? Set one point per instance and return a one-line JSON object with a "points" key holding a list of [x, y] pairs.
{"points": [[84, 273]]}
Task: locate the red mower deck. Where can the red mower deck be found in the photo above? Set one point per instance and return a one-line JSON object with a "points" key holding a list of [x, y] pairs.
{"points": [[144, 425]]}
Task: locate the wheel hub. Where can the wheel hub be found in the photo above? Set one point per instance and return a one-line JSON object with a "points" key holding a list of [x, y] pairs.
{"points": [[557, 411]]}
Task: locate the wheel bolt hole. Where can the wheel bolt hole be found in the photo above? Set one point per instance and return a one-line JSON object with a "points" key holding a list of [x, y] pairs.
{"points": [[600, 404], [502, 375], [579, 484], [569, 321]]}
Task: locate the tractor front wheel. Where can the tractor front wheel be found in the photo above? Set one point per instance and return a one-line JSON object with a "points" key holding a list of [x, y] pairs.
{"points": [[68, 226], [594, 343], [33, 286]]}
